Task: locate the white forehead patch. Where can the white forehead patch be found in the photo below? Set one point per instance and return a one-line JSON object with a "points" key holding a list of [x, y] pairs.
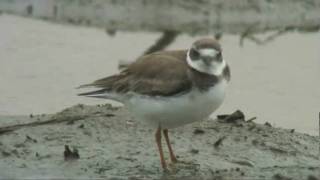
{"points": [[208, 52]]}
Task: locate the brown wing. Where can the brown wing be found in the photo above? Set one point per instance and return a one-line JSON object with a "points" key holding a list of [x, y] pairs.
{"points": [[161, 74]]}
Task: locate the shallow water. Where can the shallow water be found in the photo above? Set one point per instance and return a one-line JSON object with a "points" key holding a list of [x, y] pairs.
{"points": [[42, 63]]}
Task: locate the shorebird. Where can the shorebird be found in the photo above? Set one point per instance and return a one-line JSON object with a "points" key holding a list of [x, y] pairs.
{"points": [[168, 89]]}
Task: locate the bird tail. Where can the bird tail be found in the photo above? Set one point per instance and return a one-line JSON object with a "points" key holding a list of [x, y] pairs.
{"points": [[96, 93], [104, 94]]}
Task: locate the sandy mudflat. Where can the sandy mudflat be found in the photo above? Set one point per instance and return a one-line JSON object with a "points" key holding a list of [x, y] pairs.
{"points": [[113, 146]]}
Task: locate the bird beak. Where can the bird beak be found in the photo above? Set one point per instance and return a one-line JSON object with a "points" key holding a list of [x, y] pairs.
{"points": [[207, 60]]}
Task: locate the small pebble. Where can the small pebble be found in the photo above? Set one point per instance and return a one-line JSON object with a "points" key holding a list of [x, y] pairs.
{"points": [[280, 177], [268, 124], [198, 131], [5, 153], [194, 151], [70, 155]]}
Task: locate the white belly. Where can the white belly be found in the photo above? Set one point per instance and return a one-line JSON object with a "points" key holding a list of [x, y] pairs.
{"points": [[171, 112]]}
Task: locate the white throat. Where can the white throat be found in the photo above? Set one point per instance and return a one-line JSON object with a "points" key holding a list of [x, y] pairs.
{"points": [[216, 68]]}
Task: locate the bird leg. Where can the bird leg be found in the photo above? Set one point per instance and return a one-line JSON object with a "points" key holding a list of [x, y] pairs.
{"points": [[158, 140], [172, 156]]}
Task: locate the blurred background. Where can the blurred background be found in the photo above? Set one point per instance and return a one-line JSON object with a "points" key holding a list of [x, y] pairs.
{"points": [[50, 47]]}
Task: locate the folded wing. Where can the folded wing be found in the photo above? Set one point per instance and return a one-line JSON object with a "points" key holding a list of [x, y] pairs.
{"points": [[155, 75]]}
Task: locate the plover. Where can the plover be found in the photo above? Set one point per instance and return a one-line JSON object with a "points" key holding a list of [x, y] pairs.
{"points": [[169, 89]]}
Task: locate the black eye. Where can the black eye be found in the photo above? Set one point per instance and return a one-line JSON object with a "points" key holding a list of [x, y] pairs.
{"points": [[219, 54], [194, 55]]}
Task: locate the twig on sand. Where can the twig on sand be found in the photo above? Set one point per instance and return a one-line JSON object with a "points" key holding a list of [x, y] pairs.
{"points": [[251, 119], [7, 129]]}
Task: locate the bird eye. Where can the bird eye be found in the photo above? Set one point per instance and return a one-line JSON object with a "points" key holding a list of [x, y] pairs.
{"points": [[194, 55], [219, 55]]}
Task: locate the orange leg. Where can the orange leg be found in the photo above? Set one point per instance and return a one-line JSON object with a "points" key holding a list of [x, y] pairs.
{"points": [[172, 156], [158, 140]]}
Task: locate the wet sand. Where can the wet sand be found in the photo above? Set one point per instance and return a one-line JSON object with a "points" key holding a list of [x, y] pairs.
{"points": [[42, 63]]}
